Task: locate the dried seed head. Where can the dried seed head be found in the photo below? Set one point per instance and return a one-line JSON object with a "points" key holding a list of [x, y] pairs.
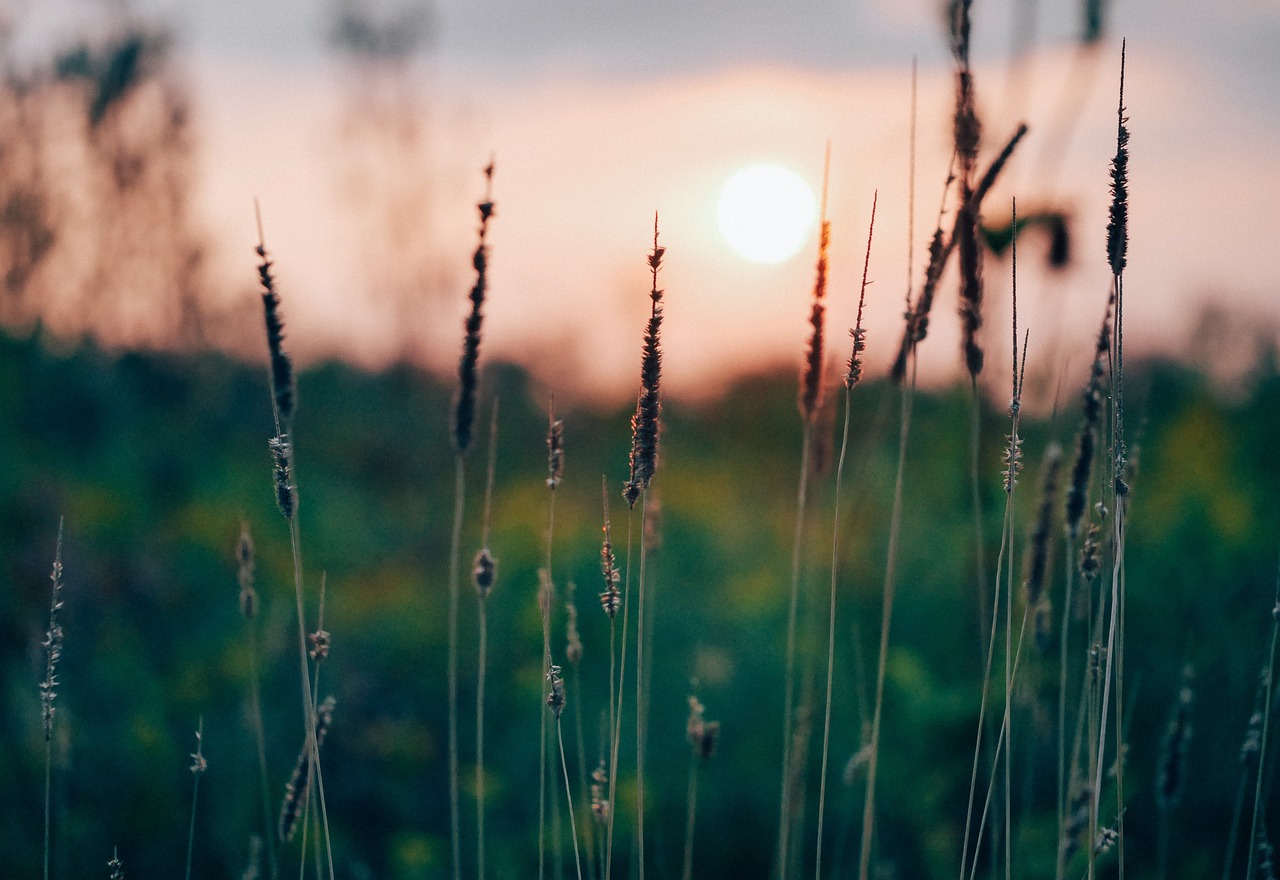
{"points": [[1118, 223], [702, 734], [116, 866], [484, 572], [1038, 559], [198, 762], [319, 640], [282, 385], [645, 422], [244, 556], [859, 335], [573, 650], [555, 699], [282, 471], [815, 358], [52, 644], [1170, 777], [599, 794], [611, 598], [555, 453], [296, 791], [468, 377]]}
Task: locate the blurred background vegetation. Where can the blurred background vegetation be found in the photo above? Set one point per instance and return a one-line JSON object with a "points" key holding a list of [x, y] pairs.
{"points": [[155, 460]]}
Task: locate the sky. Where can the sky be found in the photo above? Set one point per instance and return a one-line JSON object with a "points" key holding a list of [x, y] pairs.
{"points": [[598, 113]]}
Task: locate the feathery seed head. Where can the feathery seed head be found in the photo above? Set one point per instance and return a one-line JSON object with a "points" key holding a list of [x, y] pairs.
{"points": [[854, 372], [611, 598], [198, 762], [1038, 560], [814, 361], [555, 699], [645, 422], [297, 790], [599, 794], [282, 384], [282, 471], [244, 556], [116, 866], [573, 648], [555, 453], [468, 376], [53, 639], [319, 649], [1118, 222]]}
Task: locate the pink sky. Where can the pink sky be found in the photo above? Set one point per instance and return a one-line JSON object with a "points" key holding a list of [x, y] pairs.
{"points": [[586, 153]]}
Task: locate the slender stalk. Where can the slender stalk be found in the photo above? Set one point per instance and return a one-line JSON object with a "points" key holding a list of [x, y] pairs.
{"points": [[198, 766], [48, 689], [568, 793], [483, 577], [1258, 802], [692, 811], [890, 586], [617, 727], [789, 685], [852, 377], [455, 551], [640, 709]]}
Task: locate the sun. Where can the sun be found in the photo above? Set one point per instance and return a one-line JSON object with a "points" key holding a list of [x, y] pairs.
{"points": [[765, 213]]}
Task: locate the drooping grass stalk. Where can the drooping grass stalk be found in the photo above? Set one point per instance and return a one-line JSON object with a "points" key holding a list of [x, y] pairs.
{"points": [[852, 376], [248, 612], [556, 701], [198, 767], [1249, 751], [483, 575], [53, 640], [282, 448], [810, 401]]}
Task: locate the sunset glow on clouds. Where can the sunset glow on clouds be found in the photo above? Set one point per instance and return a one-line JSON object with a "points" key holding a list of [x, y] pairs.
{"points": [[586, 154]]}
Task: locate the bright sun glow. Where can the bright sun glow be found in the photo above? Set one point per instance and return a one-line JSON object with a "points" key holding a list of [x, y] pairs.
{"points": [[765, 213]]}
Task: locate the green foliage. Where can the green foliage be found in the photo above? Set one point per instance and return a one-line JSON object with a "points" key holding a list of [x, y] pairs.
{"points": [[155, 461]]}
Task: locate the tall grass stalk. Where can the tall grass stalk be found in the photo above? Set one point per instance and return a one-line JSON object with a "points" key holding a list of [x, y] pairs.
{"points": [[198, 766], [483, 575], [463, 419], [556, 702], [283, 450], [852, 377], [810, 402], [886, 619], [48, 688], [1259, 804], [645, 427], [545, 599], [248, 612]]}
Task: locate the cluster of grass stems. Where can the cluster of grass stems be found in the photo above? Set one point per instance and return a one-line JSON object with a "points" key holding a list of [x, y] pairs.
{"points": [[1091, 689]]}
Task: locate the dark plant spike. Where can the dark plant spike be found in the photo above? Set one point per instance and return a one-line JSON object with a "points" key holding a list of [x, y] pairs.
{"points": [[854, 372], [811, 382], [468, 377], [645, 422], [1118, 224], [282, 387]]}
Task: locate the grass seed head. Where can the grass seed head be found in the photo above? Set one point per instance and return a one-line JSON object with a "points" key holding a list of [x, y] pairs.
{"points": [[484, 572]]}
